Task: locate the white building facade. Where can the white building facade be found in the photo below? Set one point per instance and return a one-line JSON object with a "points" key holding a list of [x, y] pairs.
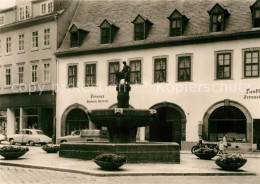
{"points": [[197, 68]]}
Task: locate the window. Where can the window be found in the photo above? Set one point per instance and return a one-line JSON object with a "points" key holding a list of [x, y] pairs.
{"points": [[44, 8], [46, 41], [224, 66], [8, 76], [113, 69], [90, 79], [2, 20], [135, 74], [50, 7], [141, 27], [46, 72], [160, 70], [255, 9], [218, 16], [34, 73], [105, 35], [184, 68], [35, 39], [139, 31], [77, 36], [24, 12], [47, 7], [251, 64], [177, 23], [21, 42], [8, 45], [20, 74], [72, 76]]}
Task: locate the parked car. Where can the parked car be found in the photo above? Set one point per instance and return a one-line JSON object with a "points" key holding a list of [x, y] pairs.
{"points": [[29, 136], [85, 136], [2, 138]]}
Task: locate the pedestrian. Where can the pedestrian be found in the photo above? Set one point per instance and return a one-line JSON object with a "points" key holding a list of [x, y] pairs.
{"points": [[221, 148], [225, 141]]}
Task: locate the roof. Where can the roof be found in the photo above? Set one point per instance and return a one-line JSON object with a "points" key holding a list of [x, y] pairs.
{"points": [[91, 13]]}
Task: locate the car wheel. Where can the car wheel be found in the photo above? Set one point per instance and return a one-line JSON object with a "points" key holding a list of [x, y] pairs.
{"points": [[63, 141], [31, 143], [194, 148], [12, 142]]}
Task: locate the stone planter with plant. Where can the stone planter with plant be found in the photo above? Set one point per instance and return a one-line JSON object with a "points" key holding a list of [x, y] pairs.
{"points": [[231, 162], [12, 152], [110, 161], [51, 148]]}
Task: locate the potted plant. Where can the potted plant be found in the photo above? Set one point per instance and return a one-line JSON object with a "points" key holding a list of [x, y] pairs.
{"points": [[205, 153], [51, 148], [12, 152], [110, 161], [230, 162]]}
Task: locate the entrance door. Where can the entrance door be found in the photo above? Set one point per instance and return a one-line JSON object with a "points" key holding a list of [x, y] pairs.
{"points": [[77, 119], [167, 127]]}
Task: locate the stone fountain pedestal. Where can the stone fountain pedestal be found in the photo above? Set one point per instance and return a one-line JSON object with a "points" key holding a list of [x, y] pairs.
{"points": [[122, 124]]}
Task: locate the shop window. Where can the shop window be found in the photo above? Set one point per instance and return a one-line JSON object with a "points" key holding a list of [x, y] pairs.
{"points": [[108, 32], [30, 118], [142, 27], [3, 122], [218, 18], [223, 66], [160, 69], [255, 9], [72, 76], [251, 63], [90, 79], [113, 69], [184, 68], [177, 23], [135, 74]]}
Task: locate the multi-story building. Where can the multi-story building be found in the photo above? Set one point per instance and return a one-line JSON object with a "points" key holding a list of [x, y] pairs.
{"points": [[31, 32], [195, 62]]}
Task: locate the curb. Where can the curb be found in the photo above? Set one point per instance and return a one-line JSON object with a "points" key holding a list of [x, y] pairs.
{"points": [[126, 174]]}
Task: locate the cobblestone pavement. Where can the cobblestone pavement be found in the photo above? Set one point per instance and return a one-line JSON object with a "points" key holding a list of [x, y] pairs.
{"points": [[17, 175]]}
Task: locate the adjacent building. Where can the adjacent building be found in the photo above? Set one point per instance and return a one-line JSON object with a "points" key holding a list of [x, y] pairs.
{"points": [[195, 62], [31, 32]]}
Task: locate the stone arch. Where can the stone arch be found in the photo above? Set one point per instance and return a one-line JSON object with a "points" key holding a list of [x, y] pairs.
{"points": [[177, 108], [227, 102], [115, 106], [65, 114]]}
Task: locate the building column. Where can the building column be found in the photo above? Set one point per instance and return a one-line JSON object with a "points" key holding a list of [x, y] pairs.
{"points": [[10, 121], [142, 133], [21, 119]]}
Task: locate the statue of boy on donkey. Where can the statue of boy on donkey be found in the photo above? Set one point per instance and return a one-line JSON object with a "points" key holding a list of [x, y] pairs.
{"points": [[124, 74]]}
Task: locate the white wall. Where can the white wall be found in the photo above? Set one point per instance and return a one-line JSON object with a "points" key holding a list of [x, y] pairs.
{"points": [[194, 99]]}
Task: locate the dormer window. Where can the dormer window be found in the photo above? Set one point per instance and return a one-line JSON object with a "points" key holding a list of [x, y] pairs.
{"points": [[141, 27], [218, 16], [255, 9], [108, 32], [177, 23], [77, 35]]}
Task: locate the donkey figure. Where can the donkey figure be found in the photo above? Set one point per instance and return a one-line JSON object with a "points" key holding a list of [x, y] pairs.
{"points": [[122, 75]]}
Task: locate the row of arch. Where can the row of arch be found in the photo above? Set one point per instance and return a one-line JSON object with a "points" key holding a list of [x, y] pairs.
{"points": [[171, 122]]}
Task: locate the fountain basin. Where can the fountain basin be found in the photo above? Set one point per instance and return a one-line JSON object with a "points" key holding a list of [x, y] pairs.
{"points": [[140, 152], [122, 123]]}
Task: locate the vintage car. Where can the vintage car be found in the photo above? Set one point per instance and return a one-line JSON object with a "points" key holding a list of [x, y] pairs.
{"points": [[85, 135], [2, 138], [29, 136]]}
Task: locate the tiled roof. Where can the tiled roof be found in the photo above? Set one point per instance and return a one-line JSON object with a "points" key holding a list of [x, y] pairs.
{"points": [[91, 13]]}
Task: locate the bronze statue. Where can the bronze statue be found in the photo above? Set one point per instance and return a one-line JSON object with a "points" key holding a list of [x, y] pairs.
{"points": [[124, 74]]}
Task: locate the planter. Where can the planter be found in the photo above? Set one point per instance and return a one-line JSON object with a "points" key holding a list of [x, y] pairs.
{"points": [[51, 148], [108, 165], [206, 156], [229, 166], [12, 152]]}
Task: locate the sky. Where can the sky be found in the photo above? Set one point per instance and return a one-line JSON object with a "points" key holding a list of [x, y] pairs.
{"points": [[6, 3]]}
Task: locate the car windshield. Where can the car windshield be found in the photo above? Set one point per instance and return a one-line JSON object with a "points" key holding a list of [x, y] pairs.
{"points": [[39, 132]]}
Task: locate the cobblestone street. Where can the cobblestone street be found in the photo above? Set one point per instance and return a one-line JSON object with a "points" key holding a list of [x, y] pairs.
{"points": [[17, 175]]}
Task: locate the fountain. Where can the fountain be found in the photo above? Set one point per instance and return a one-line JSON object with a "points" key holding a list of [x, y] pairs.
{"points": [[122, 124]]}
